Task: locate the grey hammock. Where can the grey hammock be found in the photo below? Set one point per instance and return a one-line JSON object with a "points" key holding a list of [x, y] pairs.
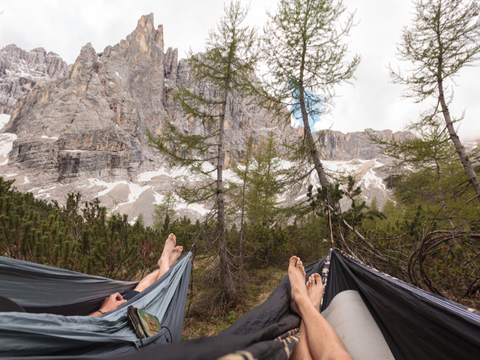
{"points": [[57, 300]]}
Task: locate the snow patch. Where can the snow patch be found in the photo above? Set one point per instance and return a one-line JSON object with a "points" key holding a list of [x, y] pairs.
{"points": [[135, 190], [370, 179], [116, 72], [44, 190], [6, 144], [4, 118], [51, 138], [173, 173]]}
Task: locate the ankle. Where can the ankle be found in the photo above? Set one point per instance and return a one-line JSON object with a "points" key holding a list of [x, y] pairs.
{"points": [[302, 304]]}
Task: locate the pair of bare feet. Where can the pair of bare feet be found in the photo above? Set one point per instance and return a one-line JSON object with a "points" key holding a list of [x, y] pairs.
{"points": [[171, 253], [311, 290], [318, 339]]}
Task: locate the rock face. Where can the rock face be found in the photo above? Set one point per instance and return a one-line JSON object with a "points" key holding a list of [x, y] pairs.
{"points": [[93, 120], [356, 145], [21, 70]]}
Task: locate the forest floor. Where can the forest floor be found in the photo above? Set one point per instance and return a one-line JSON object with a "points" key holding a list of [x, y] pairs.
{"points": [[207, 320]]}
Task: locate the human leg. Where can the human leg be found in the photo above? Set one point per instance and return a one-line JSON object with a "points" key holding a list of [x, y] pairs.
{"points": [[163, 263], [315, 293], [322, 340]]}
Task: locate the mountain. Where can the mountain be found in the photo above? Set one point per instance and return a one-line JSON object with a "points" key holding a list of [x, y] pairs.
{"points": [[84, 130], [21, 70]]}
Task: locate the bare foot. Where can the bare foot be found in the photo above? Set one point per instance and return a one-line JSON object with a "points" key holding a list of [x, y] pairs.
{"points": [[163, 262], [315, 290], [296, 275], [175, 255]]}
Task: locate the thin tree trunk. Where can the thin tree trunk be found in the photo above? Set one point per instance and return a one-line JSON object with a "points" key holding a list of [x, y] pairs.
{"points": [[467, 165], [225, 272], [240, 245], [311, 143], [440, 193], [322, 177]]}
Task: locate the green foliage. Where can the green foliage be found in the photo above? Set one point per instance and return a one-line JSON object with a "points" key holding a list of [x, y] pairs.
{"points": [[304, 47], [265, 181], [84, 240], [443, 38], [165, 212]]}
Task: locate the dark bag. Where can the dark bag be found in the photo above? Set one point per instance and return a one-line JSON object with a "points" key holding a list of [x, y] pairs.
{"points": [[144, 324]]}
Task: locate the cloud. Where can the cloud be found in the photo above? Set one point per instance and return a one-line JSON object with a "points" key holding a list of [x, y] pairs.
{"points": [[372, 102]]}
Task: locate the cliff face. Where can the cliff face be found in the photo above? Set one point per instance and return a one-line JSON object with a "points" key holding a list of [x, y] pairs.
{"points": [[93, 120], [21, 70], [356, 145]]}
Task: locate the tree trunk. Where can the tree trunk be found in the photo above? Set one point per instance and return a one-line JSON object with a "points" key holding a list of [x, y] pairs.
{"points": [[311, 143], [225, 272], [457, 143], [440, 193], [240, 244]]}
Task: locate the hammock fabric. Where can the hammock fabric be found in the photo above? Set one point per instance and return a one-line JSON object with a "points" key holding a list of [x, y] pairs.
{"points": [[57, 300], [377, 317]]}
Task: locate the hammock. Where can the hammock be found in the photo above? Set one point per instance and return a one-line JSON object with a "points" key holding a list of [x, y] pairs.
{"points": [[57, 300], [377, 317]]}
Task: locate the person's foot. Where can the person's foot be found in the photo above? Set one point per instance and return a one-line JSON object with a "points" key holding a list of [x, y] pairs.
{"points": [[164, 261], [296, 275], [175, 255], [315, 290]]}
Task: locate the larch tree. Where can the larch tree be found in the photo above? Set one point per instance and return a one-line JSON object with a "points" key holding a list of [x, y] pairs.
{"points": [[306, 57], [223, 71], [266, 183], [443, 39], [241, 170]]}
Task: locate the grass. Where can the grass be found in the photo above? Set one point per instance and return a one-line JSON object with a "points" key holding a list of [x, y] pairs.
{"points": [[209, 319]]}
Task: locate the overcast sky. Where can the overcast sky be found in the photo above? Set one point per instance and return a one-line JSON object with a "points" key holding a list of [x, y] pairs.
{"points": [[373, 102]]}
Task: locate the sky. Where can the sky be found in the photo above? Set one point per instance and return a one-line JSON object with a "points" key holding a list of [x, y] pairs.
{"points": [[371, 102]]}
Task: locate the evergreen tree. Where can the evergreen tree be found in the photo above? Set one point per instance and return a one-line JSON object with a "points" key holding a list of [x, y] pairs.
{"points": [[432, 174], [242, 173], [224, 71], [443, 39], [305, 53], [266, 182], [164, 213]]}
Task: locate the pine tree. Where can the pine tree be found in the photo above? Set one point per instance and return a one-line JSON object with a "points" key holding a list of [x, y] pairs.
{"points": [[306, 57], [164, 213], [242, 173], [443, 39], [266, 182], [223, 72]]}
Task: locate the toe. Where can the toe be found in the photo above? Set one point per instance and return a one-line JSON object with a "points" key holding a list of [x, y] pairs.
{"points": [[317, 278], [293, 261]]}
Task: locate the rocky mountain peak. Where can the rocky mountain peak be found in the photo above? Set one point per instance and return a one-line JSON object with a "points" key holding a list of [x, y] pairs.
{"points": [[21, 70]]}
